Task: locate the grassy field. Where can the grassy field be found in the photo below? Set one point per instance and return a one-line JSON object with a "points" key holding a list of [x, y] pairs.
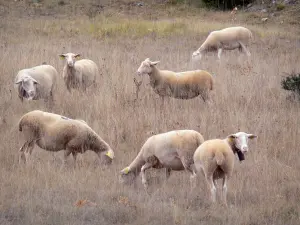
{"points": [[264, 189]]}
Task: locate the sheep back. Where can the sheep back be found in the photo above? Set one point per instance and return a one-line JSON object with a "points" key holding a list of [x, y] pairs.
{"points": [[45, 75]]}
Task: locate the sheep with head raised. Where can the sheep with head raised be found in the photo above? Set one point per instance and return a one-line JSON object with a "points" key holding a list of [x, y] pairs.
{"points": [[180, 85], [226, 39], [53, 132], [79, 74], [215, 159], [36, 83], [172, 150]]}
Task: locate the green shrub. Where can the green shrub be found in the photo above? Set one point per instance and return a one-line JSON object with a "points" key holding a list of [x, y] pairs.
{"points": [[292, 83], [280, 6]]}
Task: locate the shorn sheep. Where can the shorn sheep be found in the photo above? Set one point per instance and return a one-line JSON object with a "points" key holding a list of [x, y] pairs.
{"points": [[36, 83], [53, 132], [226, 39], [172, 150], [79, 74], [180, 85], [215, 159]]}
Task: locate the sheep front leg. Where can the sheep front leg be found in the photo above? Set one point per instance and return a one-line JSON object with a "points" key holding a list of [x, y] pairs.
{"points": [[245, 49], [74, 157], [143, 174], [219, 53], [66, 154]]}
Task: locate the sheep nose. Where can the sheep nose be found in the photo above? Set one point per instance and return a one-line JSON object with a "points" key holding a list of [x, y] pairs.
{"points": [[245, 149]]}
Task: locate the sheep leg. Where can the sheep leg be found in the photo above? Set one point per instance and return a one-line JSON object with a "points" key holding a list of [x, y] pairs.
{"points": [[74, 157], [22, 152], [168, 173], [225, 189], [245, 49], [29, 150], [212, 187], [66, 154], [219, 53], [146, 166]]}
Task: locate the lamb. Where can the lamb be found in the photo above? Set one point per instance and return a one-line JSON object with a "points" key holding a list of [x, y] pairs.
{"points": [[215, 159], [36, 83], [180, 85], [53, 132], [172, 150], [226, 39], [79, 74]]}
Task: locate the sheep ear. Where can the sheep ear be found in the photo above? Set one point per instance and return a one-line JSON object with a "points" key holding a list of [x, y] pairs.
{"points": [[19, 81], [34, 81], [110, 154], [62, 56], [251, 136], [77, 56], [231, 136], [125, 170], [154, 63]]}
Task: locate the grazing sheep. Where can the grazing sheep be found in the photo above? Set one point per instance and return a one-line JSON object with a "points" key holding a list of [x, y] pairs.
{"points": [[215, 159], [53, 132], [180, 85], [36, 83], [172, 150], [226, 39], [79, 74]]}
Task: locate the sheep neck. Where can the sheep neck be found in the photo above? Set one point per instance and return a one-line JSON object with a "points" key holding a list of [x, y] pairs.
{"points": [[235, 150], [96, 144], [137, 164], [70, 72], [154, 76]]}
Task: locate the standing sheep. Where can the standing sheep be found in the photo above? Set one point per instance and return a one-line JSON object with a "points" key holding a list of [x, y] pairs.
{"points": [[172, 150], [226, 39], [79, 74], [53, 132], [215, 159], [180, 85], [36, 83]]}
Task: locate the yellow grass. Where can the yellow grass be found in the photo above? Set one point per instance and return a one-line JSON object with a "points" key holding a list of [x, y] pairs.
{"points": [[264, 189]]}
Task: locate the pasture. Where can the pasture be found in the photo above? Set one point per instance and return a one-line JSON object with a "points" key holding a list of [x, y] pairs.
{"points": [[264, 189]]}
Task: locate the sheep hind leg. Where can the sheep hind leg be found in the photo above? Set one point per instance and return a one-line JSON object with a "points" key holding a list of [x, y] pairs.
{"points": [[212, 187], [219, 54], [224, 190]]}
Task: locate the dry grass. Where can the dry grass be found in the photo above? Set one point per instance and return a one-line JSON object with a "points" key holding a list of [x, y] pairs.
{"points": [[265, 189]]}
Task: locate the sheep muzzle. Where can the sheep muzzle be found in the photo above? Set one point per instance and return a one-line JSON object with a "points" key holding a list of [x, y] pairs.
{"points": [[240, 155]]}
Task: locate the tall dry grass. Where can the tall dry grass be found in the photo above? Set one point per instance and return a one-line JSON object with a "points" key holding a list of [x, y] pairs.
{"points": [[264, 189]]}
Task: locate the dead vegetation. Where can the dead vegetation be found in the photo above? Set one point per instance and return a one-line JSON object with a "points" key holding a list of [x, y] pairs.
{"points": [[264, 189]]}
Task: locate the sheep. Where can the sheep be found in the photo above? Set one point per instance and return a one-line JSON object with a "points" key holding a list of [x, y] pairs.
{"points": [[53, 132], [226, 39], [171, 150], [215, 159], [179, 85], [36, 83], [79, 74]]}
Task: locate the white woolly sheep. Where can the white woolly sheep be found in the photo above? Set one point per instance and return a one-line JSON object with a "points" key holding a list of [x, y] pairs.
{"points": [[36, 83], [226, 39], [215, 159], [180, 85], [53, 132], [79, 74], [172, 150]]}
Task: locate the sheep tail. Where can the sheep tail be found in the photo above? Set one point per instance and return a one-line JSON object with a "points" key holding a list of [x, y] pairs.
{"points": [[219, 158]]}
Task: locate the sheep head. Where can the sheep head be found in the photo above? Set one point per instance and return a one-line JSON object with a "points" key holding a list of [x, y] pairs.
{"points": [[27, 87], [240, 142], [146, 67], [127, 176], [70, 58]]}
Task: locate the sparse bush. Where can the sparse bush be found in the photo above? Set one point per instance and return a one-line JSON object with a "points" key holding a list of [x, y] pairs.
{"points": [[292, 83], [225, 4], [280, 6]]}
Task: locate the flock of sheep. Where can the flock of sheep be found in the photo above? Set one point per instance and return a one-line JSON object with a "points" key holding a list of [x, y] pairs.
{"points": [[174, 150]]}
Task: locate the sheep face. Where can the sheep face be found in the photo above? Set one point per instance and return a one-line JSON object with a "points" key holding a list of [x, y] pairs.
{"points": [[241, 140], [126, 176], [108, 157], [70, 58], [27, 87], [146, 67]]}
